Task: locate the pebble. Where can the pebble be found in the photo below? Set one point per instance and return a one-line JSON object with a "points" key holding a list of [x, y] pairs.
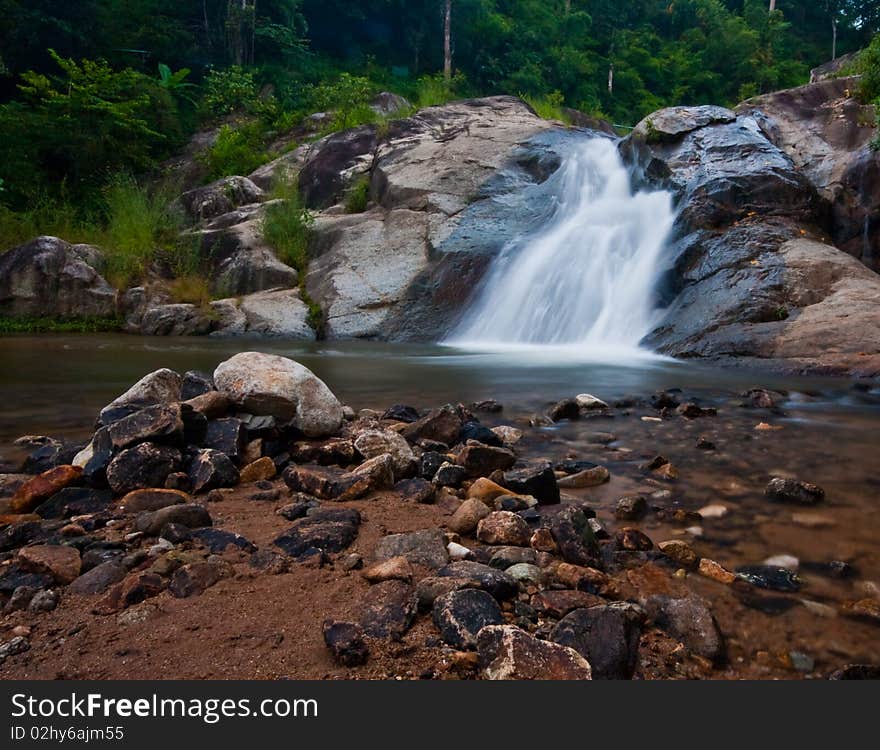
{"points": [[813, 520], [651, 419], [711, 569], [457, 551], [587, 478], [631, 508], [783, 561], [714, 510], [819, 609], [679, 551], [394, 568]]}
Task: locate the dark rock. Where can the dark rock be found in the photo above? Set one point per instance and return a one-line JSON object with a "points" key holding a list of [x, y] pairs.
{"points": [[389, 610], [538, 480], [761, 398], [504, 557], [98, 579], [690, 410], [161, 423], [95, 469], [34, 491], [574, 466], [632, 540], [574, 537], [402, 413], [476, 431], [324, 530], [144, 465], [15, 576], [217, 540], [704, 444], [665, 399], [176, 533], [770, 577], [346, 642], [495, 582], [195, 384], [690, 621], [488, 405], [429, 463], [631, 508], [481, 460], [45, 455], [426, 547], [508, 653], [194, 578], [220, 197], [857, 672], [832, 569], [338, 451], [297, 510], [429, 589], [768, 605], [460, 615], [607, 636], [565, 409], [442, 425], [20, 599], [44, 601], [415, 490], [226, 435], [211, 469], [74, 501], [101, 552], [793, 491], [179, 481], [558, 603], [191, 515], [450, 475]]}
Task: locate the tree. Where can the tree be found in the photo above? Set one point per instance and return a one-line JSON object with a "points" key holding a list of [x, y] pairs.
{"points": [[447, 41]]}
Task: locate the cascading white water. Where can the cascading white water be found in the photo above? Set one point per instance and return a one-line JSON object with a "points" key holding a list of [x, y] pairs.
{"points": [[586, 279]]}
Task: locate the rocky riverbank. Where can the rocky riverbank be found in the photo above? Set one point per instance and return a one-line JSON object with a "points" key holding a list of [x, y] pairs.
{"points": [[248, 524]]}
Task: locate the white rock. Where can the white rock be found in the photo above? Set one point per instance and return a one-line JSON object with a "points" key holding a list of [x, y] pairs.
{"points": [[371, 443], [819, 609], [715, 510], [694, 530], [509, 435], [159, 387], [589, 401], [457, 551], [278, 386], [789, 562]]}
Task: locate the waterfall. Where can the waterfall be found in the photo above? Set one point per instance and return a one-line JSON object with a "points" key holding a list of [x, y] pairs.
{"points": [[586, 279]]}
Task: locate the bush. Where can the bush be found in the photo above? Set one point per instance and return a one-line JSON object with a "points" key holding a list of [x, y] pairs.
{"points": [[434, 90], [868, 64], [348, 97], [286, 225], [236, 151], [548, 107], [230, 90], [358, 195]]}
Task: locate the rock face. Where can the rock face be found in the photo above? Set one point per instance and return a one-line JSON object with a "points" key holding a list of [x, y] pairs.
{"points": [[277, 386], [826, 133], [48, 277], [751, 276]]}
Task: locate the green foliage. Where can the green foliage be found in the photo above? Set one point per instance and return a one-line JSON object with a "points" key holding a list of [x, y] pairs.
{"points": [[231, 90], [237, 150], [549, 106], [868, 65], [53, 325], [348, 98], [286, 225], [358, 195], [176, 82], [433, 90]]}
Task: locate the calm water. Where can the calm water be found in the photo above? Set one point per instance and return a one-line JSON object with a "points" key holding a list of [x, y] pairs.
{"points": [[828, 435]]}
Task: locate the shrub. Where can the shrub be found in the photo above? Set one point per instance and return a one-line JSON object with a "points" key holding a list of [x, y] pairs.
{"points": [[286, 225], [230, 90], [348, 97], [548, 107], [236, 151], [358, 195], [434, 90], [868, 64]]}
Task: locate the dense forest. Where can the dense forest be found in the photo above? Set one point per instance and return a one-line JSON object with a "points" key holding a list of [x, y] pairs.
{"points": [[97, 92]]}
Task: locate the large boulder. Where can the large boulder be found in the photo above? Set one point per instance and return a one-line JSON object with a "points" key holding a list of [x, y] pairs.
{"points": [[267, 384], [220, 197], [750, 275], [275, 312], [48, 277], [827, 132]]}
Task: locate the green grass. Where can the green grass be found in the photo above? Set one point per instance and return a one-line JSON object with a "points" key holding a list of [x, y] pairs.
{"points": [[237, 150], [55, 325], [358, 195], [548, 107]]}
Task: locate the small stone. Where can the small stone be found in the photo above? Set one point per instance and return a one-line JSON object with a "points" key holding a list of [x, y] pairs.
{"points": [[607, 636], [867, 609], [475, 431], [450, 475], [566, 409], [402, 413], [394, 568], [679, 551], [819, 609], [486, 491], [542, 541], [144, 465], [526, 573], [373, 443], [690, 621], [457, 551], [13, 647], [559, 603], [476, 575], [63, 563], [190, 515], [588, 402], [138, 501], [537, 480], [793, 491], [346, 642], [98, 579], [33, 492], [259, 470], [633, 540], [770, 577], [503, 527], [711, 569], [158, 423], [44, 601], [389, 610], [426, 547], [704, 444], [509, 653], [210, 469], [441, 425], [416, 490], [580, 577], [464, 521], [783, 561], [715, 510], [461, 615], [504, 557], [587, 478], [813, 520], [574, 537], [509, 435], [481, 460], [194, 578], [322, 530], [631, 508]]}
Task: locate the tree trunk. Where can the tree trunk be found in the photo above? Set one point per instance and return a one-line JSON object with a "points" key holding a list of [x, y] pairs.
{"points": [[568, 6], [772, 5], [610, 78], [833, 38], [447, 41]]}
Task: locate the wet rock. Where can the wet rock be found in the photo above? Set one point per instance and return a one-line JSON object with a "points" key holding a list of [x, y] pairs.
{"points": [[450, 475], [832, 569], [559, 603], [441, 425], [679, 552], [219, 540], [711, 569], [194, 384], [486, 491], [503, 527], [195, 578], [690, 621], [257, 471], [277, 386], [761, 398], [161, 423], [325, 530], [389, 610], [402, 413], [509, 435], [461, 615], [74, 501], [415, 490], [704, 444], [770, 577], [61, 562], [426, 547], [479, 433], [607, 636], [508, 653], [138, 501], [793, 491], [481, 460], [505, 557], [144, 465], [495, 582], [98, 579], [227, 436], [190, 515], [392, 569], [632, 540], [631, 508], [159, 387], [588, 402], [210, 469], [865, 609], [373, 443], [566, 409], [691, 410], [346, 643], [574, 537], [33, 492], [489, 405], [538, 480], [464, 521]]}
